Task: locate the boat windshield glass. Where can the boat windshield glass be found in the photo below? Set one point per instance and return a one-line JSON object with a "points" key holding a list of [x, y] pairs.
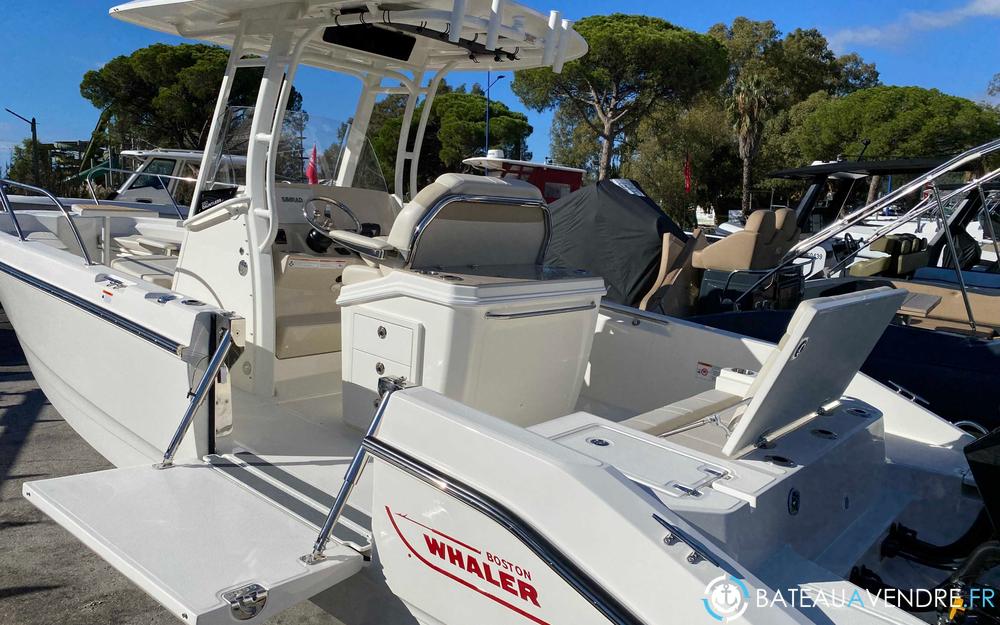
{"points": [[302, 134]]}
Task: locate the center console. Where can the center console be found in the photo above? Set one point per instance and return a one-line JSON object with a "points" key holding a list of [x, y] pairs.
{"points": [[512, 341]]}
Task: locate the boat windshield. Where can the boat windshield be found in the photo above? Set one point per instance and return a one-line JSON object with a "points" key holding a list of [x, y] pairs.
{"points": [[302, 135]]}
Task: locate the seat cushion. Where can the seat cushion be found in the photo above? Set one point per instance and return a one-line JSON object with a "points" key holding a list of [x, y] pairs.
{"points": [[404, 228], [681, 413]]}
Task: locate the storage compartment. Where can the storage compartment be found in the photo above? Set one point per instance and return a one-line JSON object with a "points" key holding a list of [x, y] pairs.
{"points": [[512, 341]]}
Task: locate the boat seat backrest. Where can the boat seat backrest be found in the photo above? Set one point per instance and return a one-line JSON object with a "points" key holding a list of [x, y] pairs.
{"points": [[464, 220], [827, 341], [786, 232], [750, 248]]}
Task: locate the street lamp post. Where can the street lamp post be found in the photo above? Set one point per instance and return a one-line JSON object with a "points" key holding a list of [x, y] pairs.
{"points": [[489, 85], [34, 143]]}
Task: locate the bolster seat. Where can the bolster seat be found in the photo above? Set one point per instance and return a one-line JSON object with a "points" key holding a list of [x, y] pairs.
{"points": [[750, 248]]}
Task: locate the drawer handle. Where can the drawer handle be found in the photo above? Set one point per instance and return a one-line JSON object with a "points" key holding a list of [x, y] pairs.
{"points": [[540, 313], [379, 368], [382, 332]]}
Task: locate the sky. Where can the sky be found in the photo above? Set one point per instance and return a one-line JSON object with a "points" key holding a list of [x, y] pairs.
{"points": [[951, 45]]}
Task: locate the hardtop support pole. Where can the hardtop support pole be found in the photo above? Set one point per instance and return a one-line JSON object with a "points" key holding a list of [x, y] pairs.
{"points": [[989, 219], [943, 221]]}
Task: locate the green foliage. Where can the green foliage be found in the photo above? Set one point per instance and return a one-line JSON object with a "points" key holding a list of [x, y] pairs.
{"points": [[899, 122], [635, 64], [666, 139], [164, 95], [456, 130]]}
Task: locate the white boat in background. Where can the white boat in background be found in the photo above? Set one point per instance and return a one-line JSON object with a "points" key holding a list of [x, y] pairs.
{"points": [[536, 455]]}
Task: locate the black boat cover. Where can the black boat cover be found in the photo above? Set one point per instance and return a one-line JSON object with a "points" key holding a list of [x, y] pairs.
{"points": [[613, 230]]}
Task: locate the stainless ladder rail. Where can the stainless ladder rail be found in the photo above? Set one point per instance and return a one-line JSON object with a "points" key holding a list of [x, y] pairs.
{"points": [[27, 187]]}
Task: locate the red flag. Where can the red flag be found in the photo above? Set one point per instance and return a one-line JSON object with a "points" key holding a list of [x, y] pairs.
{"points": [[312, 177], [687, 174]]}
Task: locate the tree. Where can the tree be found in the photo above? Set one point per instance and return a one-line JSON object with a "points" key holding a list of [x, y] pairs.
{"points": [[748, 109], [994, 87], [898, 122], [667, 139], [456, 130], [635, 64], [164, 95]]}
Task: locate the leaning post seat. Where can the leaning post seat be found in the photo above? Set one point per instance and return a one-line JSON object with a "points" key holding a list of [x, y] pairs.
{"points": [[470, 313], [467, 220], [750, 248]]}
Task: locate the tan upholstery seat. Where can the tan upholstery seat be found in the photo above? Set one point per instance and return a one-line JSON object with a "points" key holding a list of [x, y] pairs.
{"points": [[904, 254], [675, 290], [462, 220], [786, 233], [158, 269], [750, 248], [307, 318]]}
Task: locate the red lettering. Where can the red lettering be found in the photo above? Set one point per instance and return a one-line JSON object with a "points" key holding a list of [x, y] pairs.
{"points": [[527, 592], [489, 575], [455, 557], [507, 583], [434, 546], [472, 566]]}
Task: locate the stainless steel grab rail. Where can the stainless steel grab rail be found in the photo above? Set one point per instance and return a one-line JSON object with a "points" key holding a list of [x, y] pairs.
{"points": [[843, 224], [5, 204], [159, 177], [918, 212], [197, 398], [27, 187], [541, 313]]}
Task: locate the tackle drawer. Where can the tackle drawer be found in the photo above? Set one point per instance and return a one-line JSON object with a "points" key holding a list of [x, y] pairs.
{"points": [[367, 368], [390, 341]]}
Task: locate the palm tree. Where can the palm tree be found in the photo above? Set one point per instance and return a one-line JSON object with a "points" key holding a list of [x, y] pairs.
{"points": [[748, 108]]}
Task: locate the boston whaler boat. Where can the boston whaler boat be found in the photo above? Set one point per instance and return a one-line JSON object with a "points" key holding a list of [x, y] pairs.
{"points": [[533, 454]]}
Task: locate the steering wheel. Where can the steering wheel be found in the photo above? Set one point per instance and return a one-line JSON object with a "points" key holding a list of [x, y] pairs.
{"points": [[319, 213], [852, 243]]}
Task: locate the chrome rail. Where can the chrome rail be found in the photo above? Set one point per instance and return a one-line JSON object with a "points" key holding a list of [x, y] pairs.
{"points": [[5, 204], [917, 212], [386, 386], [858, 216], [541, 313], [132, 173], [27, 187], [198, 398]]}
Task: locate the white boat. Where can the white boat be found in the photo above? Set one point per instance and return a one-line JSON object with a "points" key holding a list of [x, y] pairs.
{"points": [[535, 455]]}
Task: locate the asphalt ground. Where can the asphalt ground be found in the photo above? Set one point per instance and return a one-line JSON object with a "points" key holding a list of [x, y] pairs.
{"points": [[47, 577]]}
